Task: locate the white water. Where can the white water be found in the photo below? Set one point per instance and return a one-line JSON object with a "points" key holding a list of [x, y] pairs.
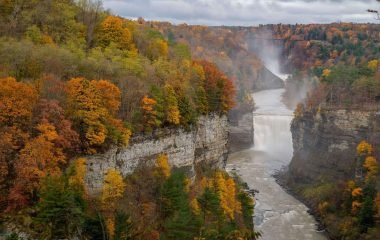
{"points": [[278, 215]]}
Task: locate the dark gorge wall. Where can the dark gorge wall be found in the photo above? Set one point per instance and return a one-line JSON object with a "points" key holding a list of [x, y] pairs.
{"points": [[325, 143]]}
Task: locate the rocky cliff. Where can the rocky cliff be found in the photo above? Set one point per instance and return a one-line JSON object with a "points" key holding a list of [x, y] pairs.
{"points": [[325, 142], [203, 144]]}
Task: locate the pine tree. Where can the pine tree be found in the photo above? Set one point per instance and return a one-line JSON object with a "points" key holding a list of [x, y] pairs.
{"points": [[60, 211], [188, 115], [123, 227], [180, 222], [159, 107]]}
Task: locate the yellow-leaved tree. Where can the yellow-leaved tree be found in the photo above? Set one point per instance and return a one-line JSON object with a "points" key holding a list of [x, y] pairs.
{"points": [[87, 112], [326, 72], [374, 64], [113, 30], [172, 111], [371, 166], [158, 48], [93, 106], [162, 166], [112, 191], [226, 189], [78, 177], [364, 148]]}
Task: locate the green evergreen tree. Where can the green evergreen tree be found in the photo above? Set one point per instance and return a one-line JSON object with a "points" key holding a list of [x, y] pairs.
{"points": [[247, 208], [368, 209], [123, 227], [209, 203], [188, 115], [60, 211], [201, 101], [158, 95], [180, 222]]}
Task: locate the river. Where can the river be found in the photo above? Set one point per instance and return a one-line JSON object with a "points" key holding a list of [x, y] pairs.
{"points": [[278, 215]]}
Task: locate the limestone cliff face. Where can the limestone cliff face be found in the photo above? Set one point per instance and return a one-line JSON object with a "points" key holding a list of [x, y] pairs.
{"points": [[325, 142], [204, 144]]}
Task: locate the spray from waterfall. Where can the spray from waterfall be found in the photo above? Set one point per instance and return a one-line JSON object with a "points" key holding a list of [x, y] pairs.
{"points": [[269, 50]]}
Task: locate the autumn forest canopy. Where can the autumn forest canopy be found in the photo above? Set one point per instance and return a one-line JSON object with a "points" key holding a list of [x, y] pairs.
{"points": [[76, 80]]}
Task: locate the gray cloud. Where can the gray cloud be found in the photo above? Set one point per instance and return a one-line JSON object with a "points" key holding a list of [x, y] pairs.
{"points": [[245, 12]]}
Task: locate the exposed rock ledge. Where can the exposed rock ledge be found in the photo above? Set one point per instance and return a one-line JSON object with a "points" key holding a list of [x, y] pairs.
{"points": [[205, 144], [325, 143]]}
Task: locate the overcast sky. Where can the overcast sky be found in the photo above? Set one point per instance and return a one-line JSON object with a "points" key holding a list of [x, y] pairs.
{"points": [[245, 12]]}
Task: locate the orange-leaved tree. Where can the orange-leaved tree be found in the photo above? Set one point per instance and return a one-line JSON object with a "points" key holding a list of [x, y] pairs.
{"points": [[149, 114], [50, 112], [39, 158], [17, 100], [93, 105]]}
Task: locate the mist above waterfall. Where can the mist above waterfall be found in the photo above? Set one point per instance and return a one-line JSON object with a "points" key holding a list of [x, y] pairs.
{"points": [[268, 49]]}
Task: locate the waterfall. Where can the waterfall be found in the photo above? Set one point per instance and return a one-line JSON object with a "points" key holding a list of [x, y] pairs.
{"points": [[273, 136], [272, 127]]}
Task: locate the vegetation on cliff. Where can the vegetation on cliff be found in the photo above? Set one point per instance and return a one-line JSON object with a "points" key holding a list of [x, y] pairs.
{"points": [[349, 209], [74, 80], [152, 203]]}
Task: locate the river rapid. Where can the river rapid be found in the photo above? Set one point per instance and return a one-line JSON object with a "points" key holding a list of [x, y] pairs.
{"points": [[278, 215]]}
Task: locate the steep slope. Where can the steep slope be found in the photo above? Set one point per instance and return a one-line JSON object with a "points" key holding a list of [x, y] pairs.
{"points": [[325, 143]]}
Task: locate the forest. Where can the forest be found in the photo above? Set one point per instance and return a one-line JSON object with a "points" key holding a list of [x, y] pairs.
{"points": [[76, 80]]}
